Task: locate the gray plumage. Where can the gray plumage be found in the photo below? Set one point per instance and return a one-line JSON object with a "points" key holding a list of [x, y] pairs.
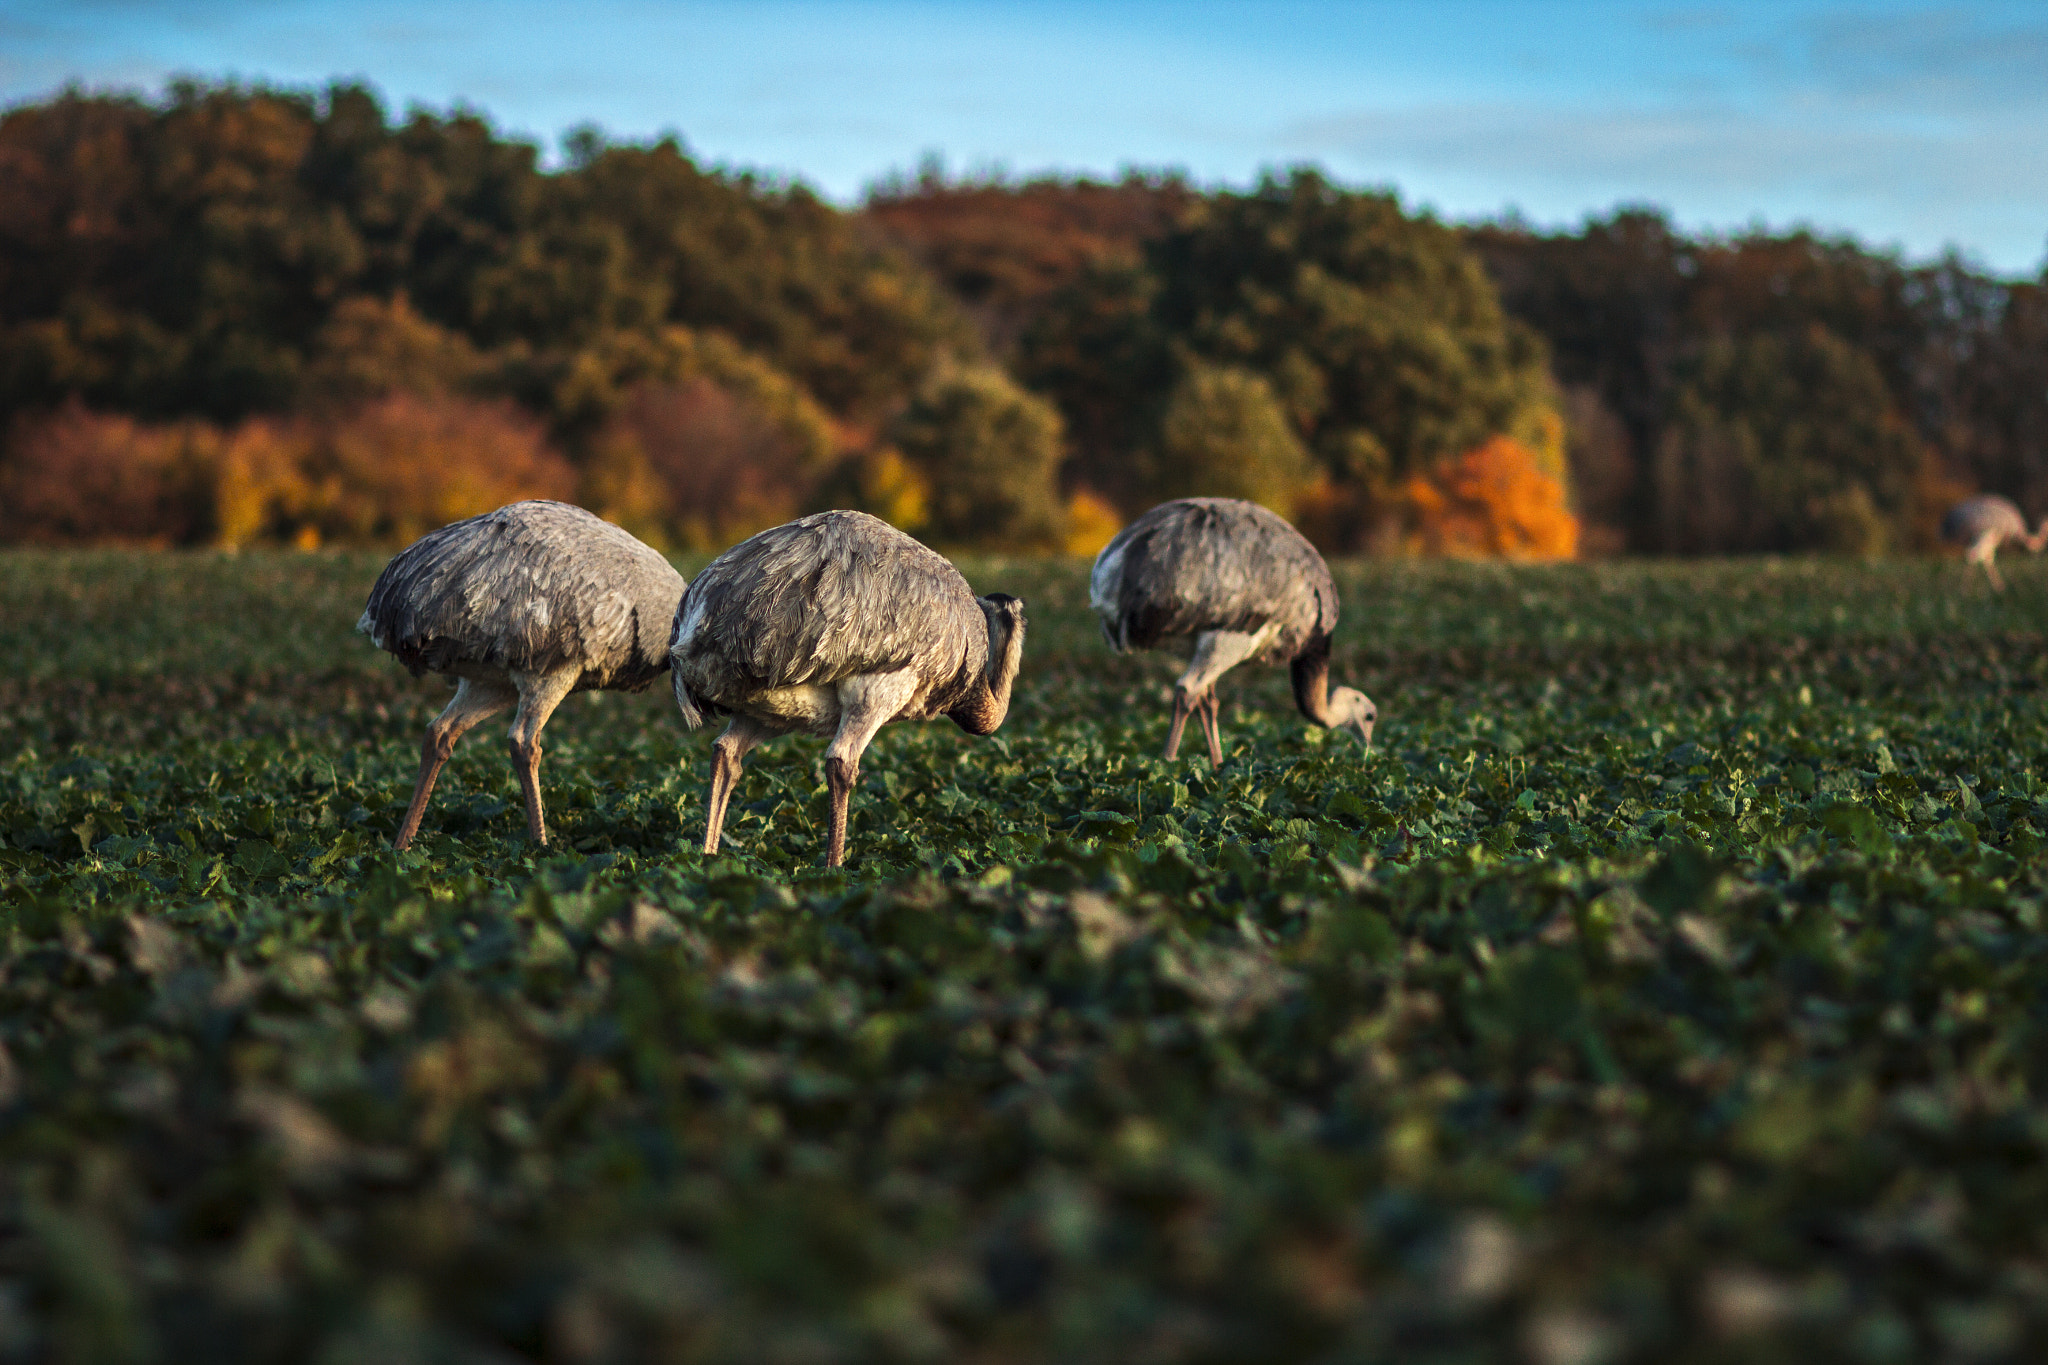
{"points": [[836, 624], [1982, 524], [1239, 583], [523, 607]]}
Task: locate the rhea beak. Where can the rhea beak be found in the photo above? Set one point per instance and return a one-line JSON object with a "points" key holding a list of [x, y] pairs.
{"points": [[1363, 717]]}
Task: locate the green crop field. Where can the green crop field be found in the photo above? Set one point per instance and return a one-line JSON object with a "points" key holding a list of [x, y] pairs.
{"points": [[1669, 983]]}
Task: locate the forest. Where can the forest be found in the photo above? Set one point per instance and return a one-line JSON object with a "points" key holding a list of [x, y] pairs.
{"points": [[235, 315]]}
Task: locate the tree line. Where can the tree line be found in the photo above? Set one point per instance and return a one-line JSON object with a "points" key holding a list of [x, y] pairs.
{"points": [[1778, 391], [235, 315]]}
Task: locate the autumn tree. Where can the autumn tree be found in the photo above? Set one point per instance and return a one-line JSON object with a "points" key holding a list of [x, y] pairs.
{"points": [[1005, 249], [1636, 313], [696, 463], [198, 255], [370, 347], [1494, 501], [1224, 434], [392, 470], [1380, 336], [990, 452], [1783, 443], [77, 476]]}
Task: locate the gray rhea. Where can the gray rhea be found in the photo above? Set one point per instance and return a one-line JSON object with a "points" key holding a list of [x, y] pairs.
{"points": [[836, 624], [1239, 583], [1982, 524], [521, 606]]}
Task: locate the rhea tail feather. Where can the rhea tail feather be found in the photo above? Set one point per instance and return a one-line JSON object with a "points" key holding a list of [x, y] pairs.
{"points": [[693, 716]]}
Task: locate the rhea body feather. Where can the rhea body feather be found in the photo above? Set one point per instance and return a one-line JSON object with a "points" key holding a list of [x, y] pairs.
{"points": [[837, 624], [1238, 583], [1213, 563], [534, 587], [1990, 514], [773, 626], [1198, 565], [523, 607], [1982, 524]]}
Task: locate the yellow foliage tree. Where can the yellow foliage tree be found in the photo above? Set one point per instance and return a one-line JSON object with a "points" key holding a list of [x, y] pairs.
{"points": [[618, 481], [76, 476], [892, 488], [1494, 501], [621, 364], [260, 488], [401, 466], [1091, 523]]}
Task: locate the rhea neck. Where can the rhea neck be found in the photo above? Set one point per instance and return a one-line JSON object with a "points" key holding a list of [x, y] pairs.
{"points": [[988, 705], [1310, 673]]}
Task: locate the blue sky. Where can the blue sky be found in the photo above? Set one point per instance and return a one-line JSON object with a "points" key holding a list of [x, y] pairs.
{"points": [[1914, 126]]}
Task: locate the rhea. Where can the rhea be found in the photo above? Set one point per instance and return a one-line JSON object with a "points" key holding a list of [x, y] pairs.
{"points": [[522, 607], [1240, 583], [1982, 524], [836, 624]]}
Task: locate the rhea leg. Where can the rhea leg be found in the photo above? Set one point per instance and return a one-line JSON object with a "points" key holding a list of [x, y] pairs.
{"points": [[1216, 653], [1983, 552], [539, 695], [866, 704], [1207, 709], [1183, 705], [472, 704], [726, 757]]}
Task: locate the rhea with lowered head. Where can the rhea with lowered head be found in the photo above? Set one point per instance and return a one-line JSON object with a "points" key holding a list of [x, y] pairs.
{"points": [[1982, 524], [1239, 583], [521, 606], [836, 624]]}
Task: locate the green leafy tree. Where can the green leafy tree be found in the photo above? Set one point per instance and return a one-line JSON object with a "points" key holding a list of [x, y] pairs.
{"points": [[1224, 434], [1379, 334], [634, 236], [1103, 355], [370, 347], [991, 454], [1783, 443], [1631, 309], [195, 256]]}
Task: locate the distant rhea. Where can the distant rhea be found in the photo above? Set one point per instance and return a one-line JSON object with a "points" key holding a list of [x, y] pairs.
{"points": [[1982, 524], [837, 624], [522, 606], [1240, 583]]}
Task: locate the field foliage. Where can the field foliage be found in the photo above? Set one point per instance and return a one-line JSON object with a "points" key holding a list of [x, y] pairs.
{"points": [[1666, 984]]}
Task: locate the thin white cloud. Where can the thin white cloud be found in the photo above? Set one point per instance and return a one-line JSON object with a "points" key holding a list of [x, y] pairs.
{"points": [[1941, 62], [1922, 188], [1712, 147]]}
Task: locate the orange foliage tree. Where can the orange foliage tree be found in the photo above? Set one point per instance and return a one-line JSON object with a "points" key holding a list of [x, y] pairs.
{"points": [[385, 472], [398, 467], [696, 463], [79, 476], [1494, 500]]}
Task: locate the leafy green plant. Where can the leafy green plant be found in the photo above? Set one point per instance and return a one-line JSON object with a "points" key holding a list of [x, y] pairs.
{"points": [[1662, 986]]}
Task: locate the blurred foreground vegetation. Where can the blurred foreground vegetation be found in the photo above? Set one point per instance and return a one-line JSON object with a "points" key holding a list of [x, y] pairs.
{"points": [[1663, 986]]}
